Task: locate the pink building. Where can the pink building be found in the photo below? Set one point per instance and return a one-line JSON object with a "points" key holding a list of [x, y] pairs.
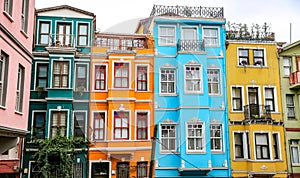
{"points": [[16, 37]]}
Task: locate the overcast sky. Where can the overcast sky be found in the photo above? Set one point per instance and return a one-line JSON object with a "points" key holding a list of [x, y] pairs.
{"points": [[280, 14]]}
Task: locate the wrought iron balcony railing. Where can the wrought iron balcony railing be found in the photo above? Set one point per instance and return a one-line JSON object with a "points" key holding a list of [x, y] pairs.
{"points": [[295, 79], [58, 40], [255, 111], [190, 45], [187, 11]]}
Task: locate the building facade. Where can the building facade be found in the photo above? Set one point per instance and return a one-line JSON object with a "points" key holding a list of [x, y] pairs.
{"points": [[289, 62], [16, 36], [190, 91], [257, 141], [59, 98], [121, 106]]}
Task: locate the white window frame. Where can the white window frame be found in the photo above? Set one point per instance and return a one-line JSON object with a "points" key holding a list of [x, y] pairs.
{"points": [[264, 57], [202, 137], [221, 137], [129, 75], [168, 123], [85, 122], [242, 98], [290, 106], [136, 76], [200, 79], [278, 145], [50, 119], [293, 145], [275, 97], [258, 91], [105, 125], [173, 42], [175, 80], [245, 146], [5, 64], [210, 37], [189, 27], [88, 33], [86, 87], [52, 72], [8, 7], [24, 15], [99, 161], [213, 82], [269, 145], [94, 77], [113, 126], [20, 89], [148, 124], [239, 61], [39, 30], [285, 66]]}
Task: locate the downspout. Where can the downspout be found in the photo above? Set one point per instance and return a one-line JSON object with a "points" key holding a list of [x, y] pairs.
{"points": [[152, 161]]}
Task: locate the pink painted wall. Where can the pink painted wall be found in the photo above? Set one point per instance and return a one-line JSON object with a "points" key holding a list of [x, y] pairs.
{"points": [[8, 116]]}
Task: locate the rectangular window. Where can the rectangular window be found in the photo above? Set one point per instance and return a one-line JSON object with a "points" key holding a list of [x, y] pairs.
{"points": [[290, 105], [237, 98], [8, 6], [121, 125], [100, 168], [77, 170], [123, 169], [100, 77], [241, 145], [24, 16], [168, 137], [64, 36], [243, 57], [276, 147], [41, 75], [81, 77], [287, 66], [195, 136], [269, 98], [82, 34], [258, 57], [3, 78], [142, 125], [121, 75], [216, 137], [35, 171], [167, 81], [39, 120], [60, 74], [44, 33], [79, 124], [99, 125], [142, 77], [20, 89], [166, 35], [58, 123], [295, 151], [262, 146], [213, 81], [193, 79], [211, 36], [141, 169]]}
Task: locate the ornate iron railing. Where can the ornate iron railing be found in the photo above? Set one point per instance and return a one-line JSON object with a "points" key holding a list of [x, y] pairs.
{"points": [[187, 11], [255, 111], [190, 45], [60, 40], [295, 78]]}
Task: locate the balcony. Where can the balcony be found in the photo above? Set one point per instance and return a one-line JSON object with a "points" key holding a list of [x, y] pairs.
{"points": [[295, 80], [190, 46], [257, 112]]}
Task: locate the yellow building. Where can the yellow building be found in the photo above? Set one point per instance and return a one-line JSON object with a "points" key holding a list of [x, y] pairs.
{"points": [[257, 141], [121, 105]]}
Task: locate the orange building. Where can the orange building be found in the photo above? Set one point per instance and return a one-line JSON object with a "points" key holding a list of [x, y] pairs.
{"points": [[121, 106]]}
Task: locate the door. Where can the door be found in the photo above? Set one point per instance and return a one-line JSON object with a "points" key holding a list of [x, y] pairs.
{"points": [[64, 36], [253, 101]]}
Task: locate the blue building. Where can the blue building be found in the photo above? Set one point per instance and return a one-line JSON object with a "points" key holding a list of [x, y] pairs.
{"points": [[59, 99], [190, 91]]}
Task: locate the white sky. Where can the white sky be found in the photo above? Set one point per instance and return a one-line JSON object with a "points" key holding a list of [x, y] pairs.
{"points": [[278, 13]]}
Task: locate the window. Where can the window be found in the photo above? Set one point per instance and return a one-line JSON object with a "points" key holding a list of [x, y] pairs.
{"points": [[25, 9], [20, 89], [241, 145], [269, 98], [216, 137], [79, 124], [58, 123], [100, 77], [42, 75], [243, 57], [211, 36], [189, 33], [99, 125], [276, 147], [141, 169], [77, 170], [8, 6], [166, 35], [286, 66], [123, 169], [295, 151], [81, 77], [44, 33], [121, 76], [168, 137], [142, 125], [167, 81], [195, 136], [258, 57], [121, 125], [142, 77], [3, 78], [100, 168], [38, 130], [213, 81], [35, 171], [82, 34], [60, 74], [64, 35], [236, 98], [262, 146], [193, 79], [290, 106]]}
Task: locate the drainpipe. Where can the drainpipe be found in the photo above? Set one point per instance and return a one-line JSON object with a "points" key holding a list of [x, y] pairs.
{"points": [[151, 167]]}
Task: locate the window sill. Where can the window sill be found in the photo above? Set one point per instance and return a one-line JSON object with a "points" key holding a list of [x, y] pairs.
{"points": [[169, 152], [217, 94], [193, 93], [217, 152], [19, 113], [168, 94], [24, 33], [237, 111], [296, 165], [8, 16], [3, 107], [99, 91], [252, 66], [195, 152]]}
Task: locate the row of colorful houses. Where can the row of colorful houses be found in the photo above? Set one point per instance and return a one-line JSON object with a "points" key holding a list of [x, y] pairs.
{"points": [[181, 97]]}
